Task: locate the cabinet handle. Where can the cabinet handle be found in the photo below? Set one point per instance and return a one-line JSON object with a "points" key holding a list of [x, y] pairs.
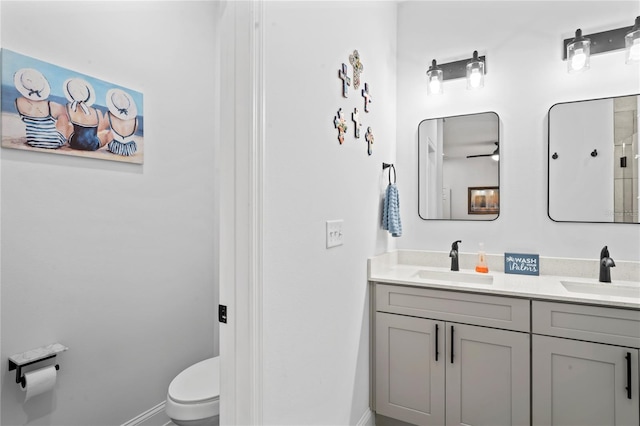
{"points": [[451, 344], [437, 352], [628, 358]]}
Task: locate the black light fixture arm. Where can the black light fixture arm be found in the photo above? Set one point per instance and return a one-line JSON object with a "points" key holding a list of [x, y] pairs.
{"points": [[434, 65]]}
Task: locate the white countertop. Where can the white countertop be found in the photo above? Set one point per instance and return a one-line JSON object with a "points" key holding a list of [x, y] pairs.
{"points": [[386, 269]]}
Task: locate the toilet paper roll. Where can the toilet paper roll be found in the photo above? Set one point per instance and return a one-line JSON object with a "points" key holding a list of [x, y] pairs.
{"points": [[39, 381]]}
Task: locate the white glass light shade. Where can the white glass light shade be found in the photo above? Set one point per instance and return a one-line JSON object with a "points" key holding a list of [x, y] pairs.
{"points": [[434, 80], [435, 83], [578, 54], [475, 73], [632, 43], [633, 49]]}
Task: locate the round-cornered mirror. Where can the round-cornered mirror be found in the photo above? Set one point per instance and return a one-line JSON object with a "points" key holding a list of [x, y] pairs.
{"points": [[593, 161], [459, 167]]}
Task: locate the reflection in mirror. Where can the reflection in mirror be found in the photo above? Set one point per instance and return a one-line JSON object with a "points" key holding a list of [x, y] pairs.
{"points": [[593, 160], [459, 167]]}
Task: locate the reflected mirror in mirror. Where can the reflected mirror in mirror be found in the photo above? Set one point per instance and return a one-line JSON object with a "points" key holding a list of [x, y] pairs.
{"points": [[459, 167], [593, 160]]}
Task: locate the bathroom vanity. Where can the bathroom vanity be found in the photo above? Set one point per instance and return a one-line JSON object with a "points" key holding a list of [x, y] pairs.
{"points": [[465, 348]]}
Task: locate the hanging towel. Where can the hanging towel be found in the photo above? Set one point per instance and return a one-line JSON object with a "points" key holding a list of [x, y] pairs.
{"points": [[391, 211]]}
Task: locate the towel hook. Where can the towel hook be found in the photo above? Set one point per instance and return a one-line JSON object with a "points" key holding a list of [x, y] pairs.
{"points": [[386, 166]]}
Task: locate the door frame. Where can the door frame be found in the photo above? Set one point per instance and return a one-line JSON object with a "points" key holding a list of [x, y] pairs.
{"points": [[241, 165]]}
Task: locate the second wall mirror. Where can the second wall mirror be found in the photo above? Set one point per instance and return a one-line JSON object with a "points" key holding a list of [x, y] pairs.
{"points": [[459, 167], [593, 160]]}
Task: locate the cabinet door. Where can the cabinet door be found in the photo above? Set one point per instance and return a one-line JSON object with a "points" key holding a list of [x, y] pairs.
{"points": [[488, 375], [583, 383], [409, 379]]}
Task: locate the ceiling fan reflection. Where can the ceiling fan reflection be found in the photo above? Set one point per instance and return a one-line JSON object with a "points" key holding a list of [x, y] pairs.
{"points": [[495, 155]]}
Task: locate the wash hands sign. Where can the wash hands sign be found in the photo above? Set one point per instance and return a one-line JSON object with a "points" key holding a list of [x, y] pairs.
{"points": [[522, 264]]}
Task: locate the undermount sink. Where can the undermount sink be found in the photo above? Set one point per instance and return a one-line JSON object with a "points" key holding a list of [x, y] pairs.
{"points": [[604, 289], [456, 277]]}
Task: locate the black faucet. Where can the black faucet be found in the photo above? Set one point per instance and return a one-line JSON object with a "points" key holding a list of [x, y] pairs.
{"points": [[453, 254], [606, 263]]}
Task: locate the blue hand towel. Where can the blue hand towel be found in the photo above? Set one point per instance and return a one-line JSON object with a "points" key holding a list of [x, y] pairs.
{"points": [[391, 211]]}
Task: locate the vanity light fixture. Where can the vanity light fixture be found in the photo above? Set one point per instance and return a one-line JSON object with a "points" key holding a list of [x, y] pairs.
{"points": [[434, 79], [578, 50], [473, 69]]}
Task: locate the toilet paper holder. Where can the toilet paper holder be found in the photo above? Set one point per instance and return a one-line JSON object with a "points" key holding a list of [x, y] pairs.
{"points": [[18, 361]]}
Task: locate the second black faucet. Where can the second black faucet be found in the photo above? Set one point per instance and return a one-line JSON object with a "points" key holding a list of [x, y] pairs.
{"points": [[606, 263]]}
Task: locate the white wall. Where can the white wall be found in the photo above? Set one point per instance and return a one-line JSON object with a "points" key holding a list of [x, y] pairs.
{"points": [[525, 77], [316, 338], [116, 261]]}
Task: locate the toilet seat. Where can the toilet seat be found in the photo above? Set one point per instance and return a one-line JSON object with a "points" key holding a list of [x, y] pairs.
{"points": [[194, 394], [198, 383]]}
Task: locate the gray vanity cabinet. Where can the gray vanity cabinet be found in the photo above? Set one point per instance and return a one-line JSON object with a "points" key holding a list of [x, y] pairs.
{"points": [[583, 383], [450, 358], [409, 375], [585, 365], [488, 377]]}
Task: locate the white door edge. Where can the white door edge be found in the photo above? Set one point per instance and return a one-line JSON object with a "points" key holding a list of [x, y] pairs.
{"points": [[241, 207]]}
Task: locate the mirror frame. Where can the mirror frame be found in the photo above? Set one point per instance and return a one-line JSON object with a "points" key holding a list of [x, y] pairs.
{"points": [[549, 159], [499, 165]]}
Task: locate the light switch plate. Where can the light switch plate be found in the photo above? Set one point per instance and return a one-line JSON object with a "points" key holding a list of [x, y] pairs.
{"points": [[334, 233]]}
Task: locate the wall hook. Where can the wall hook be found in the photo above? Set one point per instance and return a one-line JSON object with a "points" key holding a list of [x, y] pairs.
{"points": [[555, 156], [594, 153]]}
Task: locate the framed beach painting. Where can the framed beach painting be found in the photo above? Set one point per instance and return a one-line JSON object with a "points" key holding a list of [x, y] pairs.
{"points": [[47, 108]]}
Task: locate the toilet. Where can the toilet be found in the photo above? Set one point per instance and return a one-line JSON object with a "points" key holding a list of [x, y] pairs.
{"points": [[193, 398]]}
